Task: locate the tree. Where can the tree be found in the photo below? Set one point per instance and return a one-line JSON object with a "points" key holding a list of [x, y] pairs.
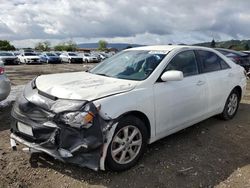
{"points": [[212, 44], [66, 46], [5, 45], [246, 47], [43, 46], [102, 45]]}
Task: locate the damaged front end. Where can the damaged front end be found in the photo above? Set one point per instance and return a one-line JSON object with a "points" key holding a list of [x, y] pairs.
{"points": [[69, 130]]}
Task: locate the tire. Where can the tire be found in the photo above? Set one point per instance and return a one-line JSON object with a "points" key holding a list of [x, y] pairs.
{"points": [[231, 106], [121, 154]]}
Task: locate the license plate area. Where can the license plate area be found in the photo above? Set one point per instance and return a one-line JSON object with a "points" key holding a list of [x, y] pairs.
{"points": [[23, 128]]}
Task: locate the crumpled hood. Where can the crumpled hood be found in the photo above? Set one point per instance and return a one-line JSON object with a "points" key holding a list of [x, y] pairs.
{"points": [[82, 85]]}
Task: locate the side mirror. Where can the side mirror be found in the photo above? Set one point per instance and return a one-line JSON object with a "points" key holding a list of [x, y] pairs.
{"points": [[172, 75]]}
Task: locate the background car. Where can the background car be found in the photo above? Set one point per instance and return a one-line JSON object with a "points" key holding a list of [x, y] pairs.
{"points": [[29, 57], [49, 57], [4, 83], [70, 57], [239, 58], [89, 58], [9, 58]]}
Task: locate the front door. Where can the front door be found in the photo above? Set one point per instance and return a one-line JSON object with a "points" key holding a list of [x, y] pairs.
{"points": [[178, 103]]}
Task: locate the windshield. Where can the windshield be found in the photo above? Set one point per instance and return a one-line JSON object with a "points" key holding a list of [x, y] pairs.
{"points": [[50, 54], [131, 65], [29, 54], [5, 54], [72, 54]]}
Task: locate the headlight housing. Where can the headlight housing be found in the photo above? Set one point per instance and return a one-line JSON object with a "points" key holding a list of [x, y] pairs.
{"points": [[80, 119]]}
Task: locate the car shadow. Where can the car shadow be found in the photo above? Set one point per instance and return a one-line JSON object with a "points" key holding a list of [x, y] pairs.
{"points": [[200, 156]]}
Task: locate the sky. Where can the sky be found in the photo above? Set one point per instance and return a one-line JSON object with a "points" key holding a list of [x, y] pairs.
{"points": [[27, 22]]}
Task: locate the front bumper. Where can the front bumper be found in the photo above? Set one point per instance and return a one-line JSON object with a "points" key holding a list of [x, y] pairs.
{"points": [[76, 60], [33, 61], [11, 61], [80, 146]]}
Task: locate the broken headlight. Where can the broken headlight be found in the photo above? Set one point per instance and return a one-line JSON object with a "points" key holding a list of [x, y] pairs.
{"points": [[80, 119]]}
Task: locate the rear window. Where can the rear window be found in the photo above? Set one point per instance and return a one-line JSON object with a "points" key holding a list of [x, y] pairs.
{"points": [[211, 62]]}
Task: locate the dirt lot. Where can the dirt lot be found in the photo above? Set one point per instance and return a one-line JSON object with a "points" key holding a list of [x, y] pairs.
{"points": [[211, 153]]}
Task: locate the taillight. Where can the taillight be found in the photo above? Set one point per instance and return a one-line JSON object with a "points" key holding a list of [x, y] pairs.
{"points": [[236, 59], [1, 70]]}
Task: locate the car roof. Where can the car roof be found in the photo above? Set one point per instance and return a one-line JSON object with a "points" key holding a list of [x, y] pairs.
{"points": [[168, 48]]}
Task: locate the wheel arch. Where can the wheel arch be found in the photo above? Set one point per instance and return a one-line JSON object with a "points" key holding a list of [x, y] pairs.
{"points": [[141, 116], [239, 90]]}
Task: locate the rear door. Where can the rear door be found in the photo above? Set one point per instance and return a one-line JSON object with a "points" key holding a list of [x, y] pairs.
{"points": [[179, 103], [218, 75]]}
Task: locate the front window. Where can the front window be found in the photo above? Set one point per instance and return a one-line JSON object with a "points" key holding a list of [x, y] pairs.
{"points": [[131, 65], [185, 62]]}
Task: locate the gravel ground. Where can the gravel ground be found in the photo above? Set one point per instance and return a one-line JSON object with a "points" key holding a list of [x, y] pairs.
{"points": [[211, 153]]}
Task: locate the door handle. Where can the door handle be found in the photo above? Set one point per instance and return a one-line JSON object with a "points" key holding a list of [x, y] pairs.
{"points": [[230, 74], [200, 82]]}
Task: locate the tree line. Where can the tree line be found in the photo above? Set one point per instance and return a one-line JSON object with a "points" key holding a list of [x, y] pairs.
{"points": [[70, 45]]}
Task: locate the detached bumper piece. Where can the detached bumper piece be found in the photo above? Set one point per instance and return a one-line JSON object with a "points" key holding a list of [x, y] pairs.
{"points": [[39, 128]]}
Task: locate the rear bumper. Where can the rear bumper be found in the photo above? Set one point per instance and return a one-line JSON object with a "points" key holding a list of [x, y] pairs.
{"points": [[4, 87]]}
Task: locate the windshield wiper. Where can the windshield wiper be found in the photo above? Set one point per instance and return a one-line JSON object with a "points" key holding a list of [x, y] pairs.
{"points": [[101, 74]]}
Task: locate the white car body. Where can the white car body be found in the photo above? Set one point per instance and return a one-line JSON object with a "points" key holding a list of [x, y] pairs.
{"points": [[32, 58], [88, 58], [148, 97], [166, 106]]}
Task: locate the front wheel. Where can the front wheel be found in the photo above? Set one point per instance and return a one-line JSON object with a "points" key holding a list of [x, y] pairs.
{"points": [[128, 144], [231, 105]]}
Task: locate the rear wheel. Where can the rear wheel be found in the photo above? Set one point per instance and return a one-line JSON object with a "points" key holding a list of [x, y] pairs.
{"points": [[231, 105], [128, 144]]}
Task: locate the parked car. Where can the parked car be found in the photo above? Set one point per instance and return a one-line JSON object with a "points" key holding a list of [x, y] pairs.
{"points": [[9, 58], [29, 57], [49, 57], [4, 83], [58, 53], [70, 57], [104, 118], [246, 52], [88, 58], [239, 58]]}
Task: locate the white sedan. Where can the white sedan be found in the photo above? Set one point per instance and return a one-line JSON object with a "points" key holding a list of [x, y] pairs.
{"points": [[70, 57], [29, 57], [104, 118]]}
